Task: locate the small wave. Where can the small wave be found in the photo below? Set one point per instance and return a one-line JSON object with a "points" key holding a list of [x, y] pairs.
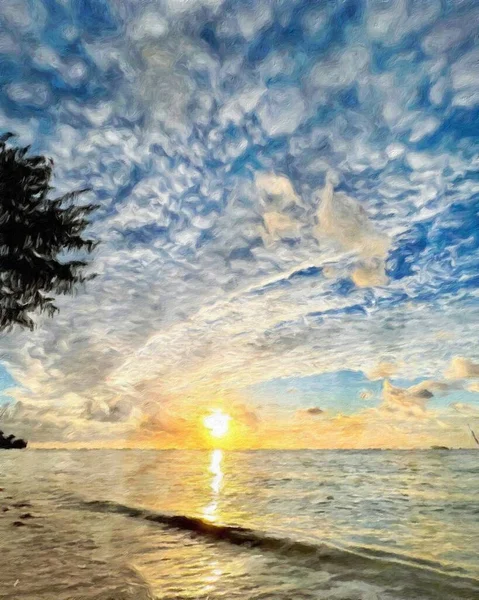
{"points": [[233, 534], [372, 563]]}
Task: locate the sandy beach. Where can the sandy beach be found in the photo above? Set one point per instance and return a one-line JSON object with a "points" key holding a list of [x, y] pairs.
{"points": [[48, 555]]}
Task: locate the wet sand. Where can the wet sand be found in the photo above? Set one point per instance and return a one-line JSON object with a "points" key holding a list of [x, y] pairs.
{"points": [[51, 556]]}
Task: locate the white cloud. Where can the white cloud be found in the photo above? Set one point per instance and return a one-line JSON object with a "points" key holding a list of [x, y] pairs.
{"points": [[340, 69], [252, 18], [447, 34], [409, 402], [438, 90], [466, 409], [382, 371], [392, 21], [464, 76], [23, 15], [425, 127], [278, 187], [345, 221], [370, 274], [279, 226], [181, 7], [462, 368], [315, 20], [132, 216], [234, 109], [395, 150], [37, 94], [150, 24], [282, 110]]}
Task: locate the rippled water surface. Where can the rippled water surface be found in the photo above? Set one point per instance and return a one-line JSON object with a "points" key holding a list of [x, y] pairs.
{"points": [[177, 524]]}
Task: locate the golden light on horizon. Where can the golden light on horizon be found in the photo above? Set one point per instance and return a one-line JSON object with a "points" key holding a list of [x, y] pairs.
{"points": [[217, 423]]}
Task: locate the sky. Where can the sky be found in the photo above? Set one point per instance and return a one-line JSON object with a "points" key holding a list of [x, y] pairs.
{"points": [[289, 221]]}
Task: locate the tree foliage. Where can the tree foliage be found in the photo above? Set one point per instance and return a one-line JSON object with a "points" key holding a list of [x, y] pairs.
{"points": [[38, 234]]}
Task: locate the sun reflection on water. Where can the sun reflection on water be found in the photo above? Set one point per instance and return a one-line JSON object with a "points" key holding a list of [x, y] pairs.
{"points": [[212, 578], [210, 511]]}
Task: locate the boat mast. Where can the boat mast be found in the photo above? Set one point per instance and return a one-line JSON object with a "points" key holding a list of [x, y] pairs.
{"points": [[474, 435]]}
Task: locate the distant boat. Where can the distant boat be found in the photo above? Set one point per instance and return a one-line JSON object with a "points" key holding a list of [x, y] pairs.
{"points": [[439, 448], [474, 435], [11, 443]]}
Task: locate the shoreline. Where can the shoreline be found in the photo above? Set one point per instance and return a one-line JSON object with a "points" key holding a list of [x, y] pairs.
{"points": [[39, 544]]}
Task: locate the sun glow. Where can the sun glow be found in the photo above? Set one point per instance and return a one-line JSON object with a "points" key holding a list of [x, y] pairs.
{"points": [[218, 423]]}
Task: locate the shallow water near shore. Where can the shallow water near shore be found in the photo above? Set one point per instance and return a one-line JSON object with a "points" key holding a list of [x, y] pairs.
{"points": [[118, 524]]}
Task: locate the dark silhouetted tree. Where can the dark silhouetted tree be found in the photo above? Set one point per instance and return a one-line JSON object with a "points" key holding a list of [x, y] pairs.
{"points": [[39, 237]]}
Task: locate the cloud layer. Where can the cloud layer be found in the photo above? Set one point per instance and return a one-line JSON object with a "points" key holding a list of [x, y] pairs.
{"points": [[287, 190]]}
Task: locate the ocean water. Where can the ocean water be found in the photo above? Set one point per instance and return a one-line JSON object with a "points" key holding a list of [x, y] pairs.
{"points": [[177, 525]]}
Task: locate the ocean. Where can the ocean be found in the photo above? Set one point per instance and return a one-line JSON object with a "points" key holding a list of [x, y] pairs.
{"points": [[211, 525]]}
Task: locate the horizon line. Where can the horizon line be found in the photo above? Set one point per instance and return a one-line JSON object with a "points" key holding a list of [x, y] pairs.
{"points": [[143, 448]]}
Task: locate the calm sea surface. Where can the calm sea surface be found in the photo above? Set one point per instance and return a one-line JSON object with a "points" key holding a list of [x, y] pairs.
{"points": [[347, 525]]}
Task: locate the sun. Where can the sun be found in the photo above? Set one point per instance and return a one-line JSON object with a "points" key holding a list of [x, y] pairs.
{"points": [[218, 423]]}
